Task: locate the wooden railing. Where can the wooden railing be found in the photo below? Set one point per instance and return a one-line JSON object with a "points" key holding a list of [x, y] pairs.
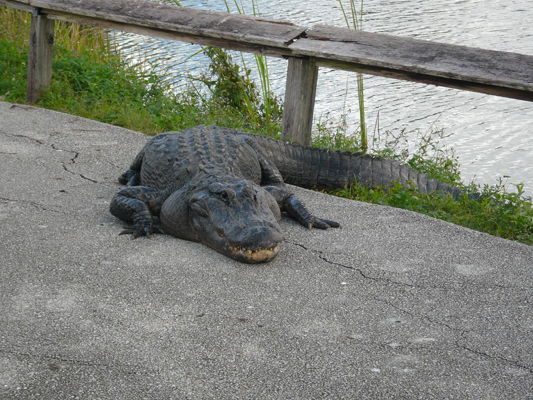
{"points": [[485, 71]]}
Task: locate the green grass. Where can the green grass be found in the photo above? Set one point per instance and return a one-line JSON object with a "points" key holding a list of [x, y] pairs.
{"points": [[92, 81], [500, 213], [15, 25], [116, 93]]}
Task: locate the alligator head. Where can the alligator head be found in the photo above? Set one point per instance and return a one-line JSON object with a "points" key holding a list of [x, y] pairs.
{"points": [[239, 219]]}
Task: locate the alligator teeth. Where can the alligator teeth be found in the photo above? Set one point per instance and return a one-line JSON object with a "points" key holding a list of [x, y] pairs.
{"points": [[248, 251], [257, 255]]}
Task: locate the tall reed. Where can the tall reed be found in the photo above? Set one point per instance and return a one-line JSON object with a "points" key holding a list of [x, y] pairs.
{"points": [[14, 24], [269, 100], [356, 18]]}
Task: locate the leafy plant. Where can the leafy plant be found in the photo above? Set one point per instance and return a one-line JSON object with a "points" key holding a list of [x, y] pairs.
{"points": [[228, 86], [234, 87], [231, 88], [429, 155], [498, 212]]}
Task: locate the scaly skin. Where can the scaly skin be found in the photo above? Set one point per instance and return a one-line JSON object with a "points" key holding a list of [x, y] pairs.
{"points": [[316, 168]]}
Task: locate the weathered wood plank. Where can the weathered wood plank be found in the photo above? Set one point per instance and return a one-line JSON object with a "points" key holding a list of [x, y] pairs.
{"points": [[427, 79], [182, 20], [494, 72], [300, 92], [39, 56], [172, 35], [486, 71], [19, 5]]}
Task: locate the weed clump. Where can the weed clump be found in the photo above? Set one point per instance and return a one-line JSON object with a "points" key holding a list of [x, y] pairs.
{"points": [[231, 87]]}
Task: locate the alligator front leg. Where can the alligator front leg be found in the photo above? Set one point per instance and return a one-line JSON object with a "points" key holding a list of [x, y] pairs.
{"points": [[139, 206], [297, 210]]}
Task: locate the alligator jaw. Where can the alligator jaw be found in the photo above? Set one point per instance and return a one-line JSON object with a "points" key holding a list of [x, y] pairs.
{"points": [[254, 256]]}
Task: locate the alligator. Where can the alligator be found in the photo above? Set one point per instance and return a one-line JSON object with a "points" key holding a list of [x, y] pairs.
{"points": [[226, 188]]}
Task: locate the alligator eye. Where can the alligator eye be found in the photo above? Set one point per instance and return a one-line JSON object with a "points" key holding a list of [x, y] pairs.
{"points": [[224, 194]]}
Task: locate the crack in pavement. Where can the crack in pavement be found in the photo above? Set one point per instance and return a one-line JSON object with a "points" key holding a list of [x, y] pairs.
{"points": [[53, 146], [320, 254], [120, 168], [22, 136], [81, 175], [420, 316], [128, 369], [32, 203], [72, 161], [492, 357]]}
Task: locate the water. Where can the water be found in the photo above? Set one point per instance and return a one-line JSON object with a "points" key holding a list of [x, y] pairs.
{"points": [[492, 136]]}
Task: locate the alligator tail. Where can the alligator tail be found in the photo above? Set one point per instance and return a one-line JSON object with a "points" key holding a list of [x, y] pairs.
{"points": [[317, 168]]}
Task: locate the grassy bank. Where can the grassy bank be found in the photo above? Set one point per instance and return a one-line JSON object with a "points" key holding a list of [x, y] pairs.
{"points": [[92, 81]]}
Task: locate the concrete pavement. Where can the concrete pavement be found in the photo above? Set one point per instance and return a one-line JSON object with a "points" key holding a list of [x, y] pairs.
{"points": [[395, 305]]}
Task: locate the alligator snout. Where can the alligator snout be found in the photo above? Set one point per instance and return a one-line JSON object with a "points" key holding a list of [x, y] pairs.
{"points": [[256, 235]]}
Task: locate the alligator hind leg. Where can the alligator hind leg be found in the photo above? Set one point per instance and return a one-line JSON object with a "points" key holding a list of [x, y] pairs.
{"points": [[297, 210], [139, 206]]}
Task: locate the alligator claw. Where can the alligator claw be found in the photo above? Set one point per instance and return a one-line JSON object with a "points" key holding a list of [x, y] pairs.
{"points": [[298, 211], [127, 231], [322, 223], [332, 224], [143, 227], [136, 231], [141, 231]]}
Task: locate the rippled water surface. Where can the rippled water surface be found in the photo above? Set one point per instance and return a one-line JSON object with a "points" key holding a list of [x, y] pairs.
{"points": [[492, 136]]}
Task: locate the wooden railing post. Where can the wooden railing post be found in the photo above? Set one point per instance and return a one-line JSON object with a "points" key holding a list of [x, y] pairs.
{"points": [[300, 92], [39, 55]]}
